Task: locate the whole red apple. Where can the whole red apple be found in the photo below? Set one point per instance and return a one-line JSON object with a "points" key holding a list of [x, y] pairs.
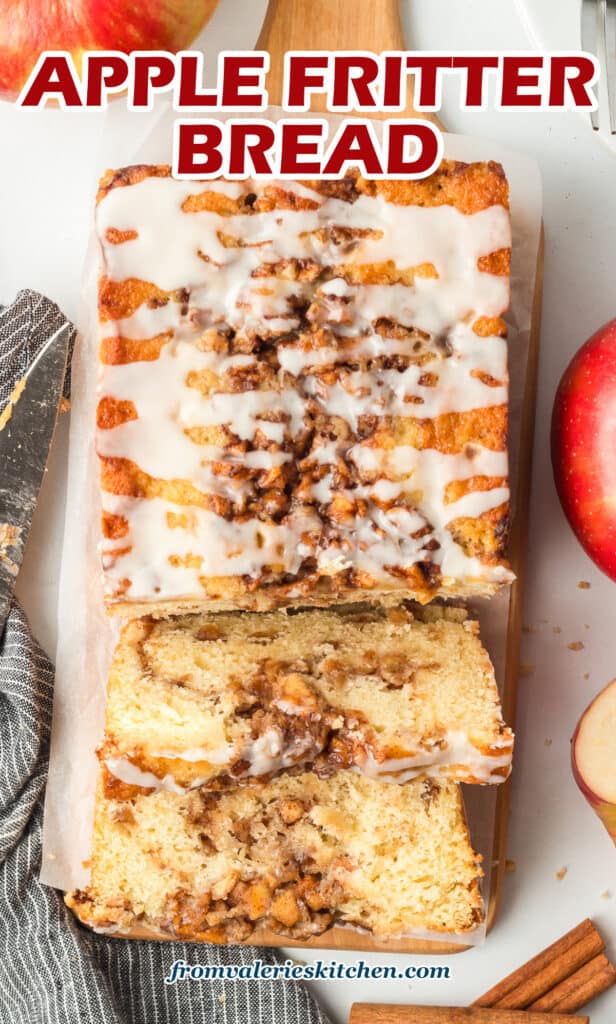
{"points": [[584, 446], [27, 27]]}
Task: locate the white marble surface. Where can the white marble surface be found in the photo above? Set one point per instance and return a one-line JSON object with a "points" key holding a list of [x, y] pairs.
{"points": [[45, 214]]}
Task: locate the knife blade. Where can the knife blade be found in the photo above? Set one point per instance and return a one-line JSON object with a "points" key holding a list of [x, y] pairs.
{"points": [[27, 425]]}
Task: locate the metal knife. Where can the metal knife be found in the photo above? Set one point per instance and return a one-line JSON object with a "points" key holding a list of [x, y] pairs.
{"points": [[27, 424]]}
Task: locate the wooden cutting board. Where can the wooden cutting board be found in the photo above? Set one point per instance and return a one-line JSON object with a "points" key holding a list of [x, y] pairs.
{"points": [[372, 25], [375, 25]]}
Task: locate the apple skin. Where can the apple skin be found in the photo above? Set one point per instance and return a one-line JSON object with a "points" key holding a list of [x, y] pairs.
{"points": [[605, 810], [584, 446], [27, 27]]}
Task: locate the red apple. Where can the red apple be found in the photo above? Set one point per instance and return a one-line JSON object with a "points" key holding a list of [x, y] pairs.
{"points": [[584, 446], [27, 27], [593, 756]]}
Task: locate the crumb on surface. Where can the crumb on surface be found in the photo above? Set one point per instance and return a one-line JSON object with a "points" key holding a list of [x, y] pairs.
{"points": [[584, 585], [9, 538], [510, 866], [606, 894], [587, 675], [556, 629], [9, 535], [576, 645], [14, 397], [526, 669], [64, 405], [560, 874], [526, 628], [547, 741]]}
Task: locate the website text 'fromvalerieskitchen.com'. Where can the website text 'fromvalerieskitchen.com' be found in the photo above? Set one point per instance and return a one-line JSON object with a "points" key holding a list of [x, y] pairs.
{"points": [[320, 970]]}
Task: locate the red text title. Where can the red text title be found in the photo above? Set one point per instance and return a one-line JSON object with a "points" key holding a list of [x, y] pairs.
{"points": [[343, 82]]}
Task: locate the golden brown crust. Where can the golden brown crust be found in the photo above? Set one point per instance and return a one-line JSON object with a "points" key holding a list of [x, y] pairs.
{"points": [[116, 351], [485, 537], [122, 176], [450, 432], [497, 262], [112, 412], [120, 299], [469, 187]]}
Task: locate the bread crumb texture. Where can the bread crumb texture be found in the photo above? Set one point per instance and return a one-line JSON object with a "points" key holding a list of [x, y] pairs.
{"points": [[294, 855], [210, 699]]}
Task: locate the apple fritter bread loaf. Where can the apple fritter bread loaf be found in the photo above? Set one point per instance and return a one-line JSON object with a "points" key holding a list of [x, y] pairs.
{"points": [[303, 389], [212, 700], [293, 855]]}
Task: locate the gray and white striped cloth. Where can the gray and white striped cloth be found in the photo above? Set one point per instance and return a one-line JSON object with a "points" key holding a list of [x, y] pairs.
{"points": [[52, 970]]}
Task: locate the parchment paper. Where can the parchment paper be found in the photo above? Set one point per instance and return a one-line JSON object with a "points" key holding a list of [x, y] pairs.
{"points": [[86, 635]]}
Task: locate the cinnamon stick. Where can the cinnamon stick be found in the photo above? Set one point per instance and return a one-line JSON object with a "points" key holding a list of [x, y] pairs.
{"points": [[546, 970], [380, 1013], [580, 988]]}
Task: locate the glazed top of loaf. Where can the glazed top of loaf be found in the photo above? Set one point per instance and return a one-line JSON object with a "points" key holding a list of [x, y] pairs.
{"points": [[303, 384]]}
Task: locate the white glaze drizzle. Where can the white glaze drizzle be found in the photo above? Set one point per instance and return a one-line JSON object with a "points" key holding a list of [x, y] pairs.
{"points": [[264, 755], [125, 771], [455, 754]]}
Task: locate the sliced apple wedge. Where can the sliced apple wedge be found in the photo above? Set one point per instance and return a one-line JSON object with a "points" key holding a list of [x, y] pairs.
{"points": [[593, 756]]}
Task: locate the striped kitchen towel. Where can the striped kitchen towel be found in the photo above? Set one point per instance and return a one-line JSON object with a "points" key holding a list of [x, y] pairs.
{"points": [[52, 970]]}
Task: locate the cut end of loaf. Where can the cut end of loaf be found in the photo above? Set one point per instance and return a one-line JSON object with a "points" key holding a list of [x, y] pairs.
{"points": [[293, 856], [209, 700]]}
